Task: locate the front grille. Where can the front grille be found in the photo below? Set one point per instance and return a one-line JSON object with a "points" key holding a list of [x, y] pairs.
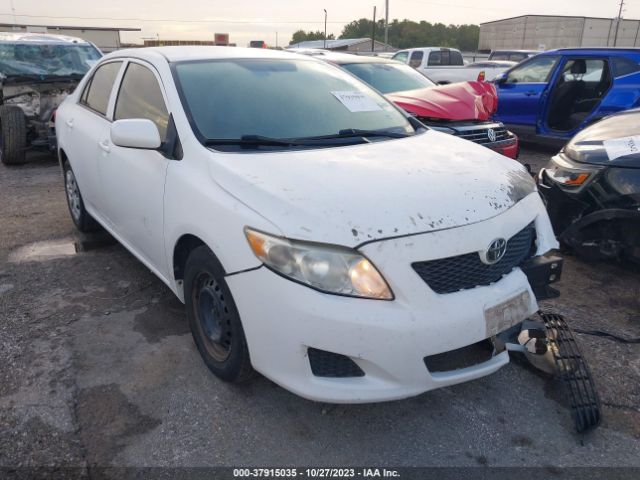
{"points": [[481, 134], [333, 365], [448, 275]]}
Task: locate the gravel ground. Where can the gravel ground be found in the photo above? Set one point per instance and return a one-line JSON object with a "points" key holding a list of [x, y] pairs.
{"points": [[97, 368]]}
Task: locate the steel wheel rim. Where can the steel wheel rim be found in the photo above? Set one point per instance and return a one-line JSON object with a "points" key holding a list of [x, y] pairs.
{"points": [[73, 194], [212, 317]]}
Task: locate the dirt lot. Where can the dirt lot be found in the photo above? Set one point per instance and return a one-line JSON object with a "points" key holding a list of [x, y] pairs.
{"points": [[97, 367]]}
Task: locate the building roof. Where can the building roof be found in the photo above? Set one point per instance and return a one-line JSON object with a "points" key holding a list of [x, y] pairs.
{"points": [[557, 16], [73, 27], [331, 44]]}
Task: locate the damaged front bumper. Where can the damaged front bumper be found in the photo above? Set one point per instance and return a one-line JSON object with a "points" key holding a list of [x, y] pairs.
{"points": [[349, 350]]}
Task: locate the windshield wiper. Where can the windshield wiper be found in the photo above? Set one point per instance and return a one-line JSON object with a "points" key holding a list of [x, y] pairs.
{"points": [[254, 140], [354, 132], [350, 135]]}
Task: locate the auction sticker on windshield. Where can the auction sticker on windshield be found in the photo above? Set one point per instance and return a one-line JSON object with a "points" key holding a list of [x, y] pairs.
{"points": [[357, 101], [621, 147]]}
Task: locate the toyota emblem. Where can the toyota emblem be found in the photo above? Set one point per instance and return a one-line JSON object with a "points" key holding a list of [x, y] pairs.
{"points": [[496, 251], [491, 133]]}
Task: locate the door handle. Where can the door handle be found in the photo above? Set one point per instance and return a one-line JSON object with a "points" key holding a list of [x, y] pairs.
{"points": [[69, 123], [531, 94], [104, 145]]}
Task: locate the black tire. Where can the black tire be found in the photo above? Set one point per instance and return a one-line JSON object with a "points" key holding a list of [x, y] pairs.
{"points": [[81, 218], [13, 135], [214, 319]]}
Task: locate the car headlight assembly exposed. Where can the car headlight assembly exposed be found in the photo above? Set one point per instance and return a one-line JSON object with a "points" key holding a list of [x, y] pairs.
{"points": [[328, 268], [570, 175]]}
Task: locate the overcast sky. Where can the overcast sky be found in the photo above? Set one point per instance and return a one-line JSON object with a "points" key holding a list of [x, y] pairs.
{"points": [[248, 20]]}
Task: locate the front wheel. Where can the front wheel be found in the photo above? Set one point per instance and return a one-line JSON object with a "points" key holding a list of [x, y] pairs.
{"points": [[81, 218], [214, 319]]}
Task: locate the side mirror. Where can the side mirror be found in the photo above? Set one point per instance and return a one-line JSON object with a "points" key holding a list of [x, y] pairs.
{"points": [[135, 133], [501, 78]]}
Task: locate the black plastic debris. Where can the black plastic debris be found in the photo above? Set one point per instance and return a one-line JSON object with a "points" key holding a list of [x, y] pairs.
{"points": [[573, 373]]}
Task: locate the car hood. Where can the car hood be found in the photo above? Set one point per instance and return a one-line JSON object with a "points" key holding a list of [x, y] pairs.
{"points": [[458, 101], [588, 145], [354, 194]]}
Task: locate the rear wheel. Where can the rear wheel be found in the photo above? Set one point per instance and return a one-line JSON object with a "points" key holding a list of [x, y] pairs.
{"points": [[13, 135], [81, 218], [214, 319]]}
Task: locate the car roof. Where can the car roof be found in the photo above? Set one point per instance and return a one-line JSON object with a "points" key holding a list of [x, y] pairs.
{"points": [[515, 51], [595, 50], [347, 58], [28, 37], [194, 53]]}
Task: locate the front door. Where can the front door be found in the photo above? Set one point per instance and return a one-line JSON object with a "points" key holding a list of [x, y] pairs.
{"points": [[133, 179], [522, 91]]}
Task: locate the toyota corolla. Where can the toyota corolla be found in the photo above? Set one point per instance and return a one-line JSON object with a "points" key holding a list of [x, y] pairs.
{"points": [[314, 231]]}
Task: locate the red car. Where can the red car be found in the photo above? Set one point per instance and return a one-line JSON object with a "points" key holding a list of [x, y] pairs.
{"points": [[462, 109]]}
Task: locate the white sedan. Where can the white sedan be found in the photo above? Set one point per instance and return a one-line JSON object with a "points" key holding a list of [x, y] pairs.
{"points": [[315, 233]]}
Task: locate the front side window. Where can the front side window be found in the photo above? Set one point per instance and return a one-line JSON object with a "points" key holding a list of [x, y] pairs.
{"points": [[537, 70], [389, 77], [281, 99], [98, 91], [416, 59], [401, 57], [140, 97]]}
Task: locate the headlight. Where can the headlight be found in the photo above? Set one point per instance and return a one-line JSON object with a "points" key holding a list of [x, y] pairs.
{"points": [[571, 175], [331, 269]]}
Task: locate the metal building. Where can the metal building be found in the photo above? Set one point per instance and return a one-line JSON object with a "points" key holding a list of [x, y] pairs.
{"points": [[105, 38], [545, 32], [345, 45]]}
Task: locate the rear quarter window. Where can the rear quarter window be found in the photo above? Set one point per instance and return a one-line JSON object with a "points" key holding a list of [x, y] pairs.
{"points": [[624, 66]]}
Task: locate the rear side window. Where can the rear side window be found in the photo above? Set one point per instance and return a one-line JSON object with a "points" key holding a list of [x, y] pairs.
{"points": [[455, 58], [435, 58], [416, 59], [140, 96], [97, 92], [624, 66]]}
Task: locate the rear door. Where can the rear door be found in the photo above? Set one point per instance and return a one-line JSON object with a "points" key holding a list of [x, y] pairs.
{"points": [[133, 179], [84, 126], [522, 92]]}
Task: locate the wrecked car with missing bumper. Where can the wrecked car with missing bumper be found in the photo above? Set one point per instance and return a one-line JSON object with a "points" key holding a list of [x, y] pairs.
{"points": [[37, 72], [315, 232], [592, 189]]}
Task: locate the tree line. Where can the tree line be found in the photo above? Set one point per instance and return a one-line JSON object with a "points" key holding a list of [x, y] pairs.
{"points": [[405, 34]]}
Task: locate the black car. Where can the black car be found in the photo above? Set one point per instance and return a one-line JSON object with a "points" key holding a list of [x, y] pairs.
{"points": [[592, 189]]}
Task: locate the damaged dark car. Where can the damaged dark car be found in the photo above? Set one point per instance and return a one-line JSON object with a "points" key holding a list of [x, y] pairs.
{"points": [[592, 189], [37, 72]]}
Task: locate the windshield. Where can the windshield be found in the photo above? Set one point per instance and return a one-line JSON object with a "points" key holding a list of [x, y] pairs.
{"points": [[46, 59], [389, 77], [280, 99]]}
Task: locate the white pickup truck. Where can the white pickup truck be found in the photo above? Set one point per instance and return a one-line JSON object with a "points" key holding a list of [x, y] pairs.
{"points": [[445, 65]]}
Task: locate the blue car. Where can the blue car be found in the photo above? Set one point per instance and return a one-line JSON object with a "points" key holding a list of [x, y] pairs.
{"points": [[552, 96]]}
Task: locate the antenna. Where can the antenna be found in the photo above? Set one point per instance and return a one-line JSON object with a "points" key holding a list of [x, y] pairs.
{"points": [[13, 12], [618, 21]]}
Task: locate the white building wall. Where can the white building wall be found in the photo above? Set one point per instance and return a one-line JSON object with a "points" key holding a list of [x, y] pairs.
{"points": [[547, 32]]}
